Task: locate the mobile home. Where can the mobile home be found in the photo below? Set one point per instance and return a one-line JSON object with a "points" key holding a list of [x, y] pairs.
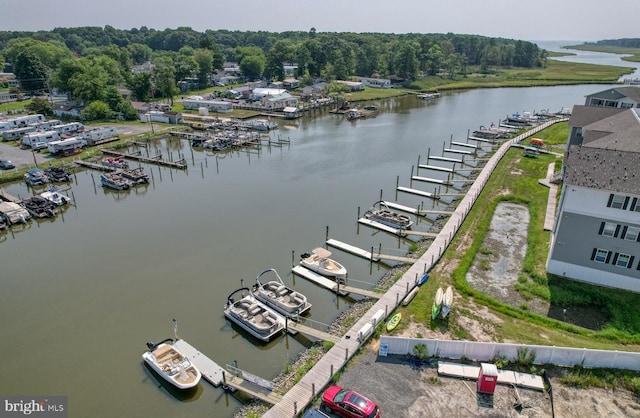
{"points": [[66, 146], [37, 140], [69, 128], [16, 133]]}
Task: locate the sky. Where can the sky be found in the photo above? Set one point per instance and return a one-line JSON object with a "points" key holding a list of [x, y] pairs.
{"points": [[575, 20]]}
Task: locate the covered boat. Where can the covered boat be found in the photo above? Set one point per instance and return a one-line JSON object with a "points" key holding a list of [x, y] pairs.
{"points": [[115, 162], [381, 213], [39, 207], [173, 366], [320, 262], [115, 181], [57, 174], [135, 175], [253, 316], [13, 213], [283, 299], [35, 177]]}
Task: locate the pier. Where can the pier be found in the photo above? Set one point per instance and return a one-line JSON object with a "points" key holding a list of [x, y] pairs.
{"points": [[209, 368], [181, 164], [5, 196]]}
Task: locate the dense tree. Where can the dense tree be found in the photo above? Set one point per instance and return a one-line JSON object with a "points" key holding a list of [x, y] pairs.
{"points": [[283, 51], [140, 86], [204, 59], [39, 105], [97, 110], [405, 60], [30, 71], [165, 81], [48, 53], [139, 53]]}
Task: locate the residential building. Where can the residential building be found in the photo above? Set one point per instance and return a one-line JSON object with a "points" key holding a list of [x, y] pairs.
{"points": [[279, 101], [596, 236], [353, 85], [211, 105], [381, 83], [623, 97]]}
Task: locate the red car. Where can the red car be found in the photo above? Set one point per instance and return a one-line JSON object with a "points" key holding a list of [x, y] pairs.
{"points": [[349, 404]]}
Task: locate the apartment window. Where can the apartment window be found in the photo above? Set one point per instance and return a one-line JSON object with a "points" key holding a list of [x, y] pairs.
{"points": [[626, 105], [623, 260], [634, 205], [631, 233], [608, 229], [618, 201], [600, 255]]}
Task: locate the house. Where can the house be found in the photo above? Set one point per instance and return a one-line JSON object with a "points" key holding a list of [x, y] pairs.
{"points": [[291, 83], [353, 85], [279, 101], [146, 67], [211, 105], [380, 83], [161, 117], [6, 97], [67, 110], [624, 97], [289, 69], [596, 236]]}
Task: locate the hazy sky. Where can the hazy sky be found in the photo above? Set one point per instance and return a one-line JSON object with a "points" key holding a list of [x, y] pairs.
{"points": [[580, 20]]}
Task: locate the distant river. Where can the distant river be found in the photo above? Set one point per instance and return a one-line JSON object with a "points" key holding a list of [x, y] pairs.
{"points": [[83, 293], [590, 57]]}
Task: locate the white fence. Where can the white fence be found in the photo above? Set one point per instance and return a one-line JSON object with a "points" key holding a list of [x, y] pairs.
{"points": [[481, 351]]}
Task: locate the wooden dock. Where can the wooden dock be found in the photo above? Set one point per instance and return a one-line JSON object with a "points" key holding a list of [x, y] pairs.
{"points": [[250, 384], [402, 208], [382, 227], [464, 144], [309, 331], [209, 368], [351, 249], [457, 151], [94, 166], [181, 164], [447, 159], [5, 196]]}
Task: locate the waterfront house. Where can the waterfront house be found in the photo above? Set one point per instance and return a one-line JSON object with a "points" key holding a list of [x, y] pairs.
{"points": [[624, 97], [380, 83], [596, 235]]}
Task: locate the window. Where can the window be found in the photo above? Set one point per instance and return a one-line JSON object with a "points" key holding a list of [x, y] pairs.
{"points": [[631, 233], [623, 260], [624, 105], [609, 229], [616, 201], [601, 255]]}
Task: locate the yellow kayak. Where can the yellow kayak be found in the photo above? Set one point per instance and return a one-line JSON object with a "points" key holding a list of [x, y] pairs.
{"points": [[394, 321]]}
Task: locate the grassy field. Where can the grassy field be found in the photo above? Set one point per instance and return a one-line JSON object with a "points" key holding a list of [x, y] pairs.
{"points": [[621, 327]]}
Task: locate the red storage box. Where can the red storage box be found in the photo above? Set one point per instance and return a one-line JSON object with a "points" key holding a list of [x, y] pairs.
{"points": [[488, 378]]}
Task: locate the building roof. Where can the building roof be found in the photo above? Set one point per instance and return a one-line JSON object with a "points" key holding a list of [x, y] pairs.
{"points": [[617, 93], [609, 157], [584, 115]]}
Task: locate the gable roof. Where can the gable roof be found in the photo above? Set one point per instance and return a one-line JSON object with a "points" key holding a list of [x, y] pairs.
{"points": [[617, 93]]}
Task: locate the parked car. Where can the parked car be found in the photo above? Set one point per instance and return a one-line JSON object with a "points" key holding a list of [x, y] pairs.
{"points": [[347, 403], [314, 413], [6, 164]]}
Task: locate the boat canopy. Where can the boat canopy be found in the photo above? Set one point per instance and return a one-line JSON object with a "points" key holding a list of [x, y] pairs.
{"points": [[321, 252]]}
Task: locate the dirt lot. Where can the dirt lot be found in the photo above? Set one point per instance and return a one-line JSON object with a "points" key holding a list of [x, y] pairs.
{"points": [[404, 389]]}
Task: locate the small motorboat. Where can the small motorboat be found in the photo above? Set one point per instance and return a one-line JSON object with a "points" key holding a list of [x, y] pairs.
{"points": [[173, 366], [437, 303], [381, 213], [135, 175], [320, 262], [39, 207], [253, 316], [281, 298], [57, 174], [55, 196]]}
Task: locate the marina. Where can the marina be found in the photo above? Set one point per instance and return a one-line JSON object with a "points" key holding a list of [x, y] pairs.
{"points": [[272, 178]]}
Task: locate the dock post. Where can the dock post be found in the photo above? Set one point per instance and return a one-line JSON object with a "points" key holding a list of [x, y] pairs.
{"points": [[313, 389], [358, 213], [397, 184], [371, 256], [295, 407], [379, 249], [293, 263], [428, 154], [326, 236], [346, 353], [380, 194], [331, 371], [419, 159]]}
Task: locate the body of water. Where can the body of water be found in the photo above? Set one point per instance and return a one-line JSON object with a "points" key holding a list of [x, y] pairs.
{"points": [[83, 293]]}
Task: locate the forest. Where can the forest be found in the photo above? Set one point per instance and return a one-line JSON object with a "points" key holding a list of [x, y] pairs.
{"points": [[90, 63]]}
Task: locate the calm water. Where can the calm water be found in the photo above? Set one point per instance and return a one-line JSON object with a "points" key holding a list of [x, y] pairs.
{"points": [[82, 294], [590, 57]]}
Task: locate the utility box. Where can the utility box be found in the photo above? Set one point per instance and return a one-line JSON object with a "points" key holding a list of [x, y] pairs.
{"points": [[488, 378]]}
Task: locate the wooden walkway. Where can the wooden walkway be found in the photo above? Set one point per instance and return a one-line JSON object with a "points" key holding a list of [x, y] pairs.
{"points": [[318, 279], [312, 384], [310, 331], [4, 195], [351, 249], [94, 166], [181, 164]]}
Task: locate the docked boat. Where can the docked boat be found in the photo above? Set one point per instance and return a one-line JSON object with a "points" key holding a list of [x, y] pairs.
{"points": [[55, 196], [281, 298], [447, 301], [135, 175], [253, 316], [366, 112], [35, 177], [13, 213], [173, 366], [57, 174], [437, 303], [39, 207], [115, 162], [320, 262], [115, 181], [381, 213], [427, 96]]}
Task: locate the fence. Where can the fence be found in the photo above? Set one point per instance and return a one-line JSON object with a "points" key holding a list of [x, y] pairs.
{"points": [[482, 351]]}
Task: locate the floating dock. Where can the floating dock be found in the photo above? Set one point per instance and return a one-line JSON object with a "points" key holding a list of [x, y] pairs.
{"points": [[464, 144], [209, 368], [5, 196], [417, 192], [181, 164], [431, 180], [457, 151], [317, 279], [351, 249], [447, 159]]}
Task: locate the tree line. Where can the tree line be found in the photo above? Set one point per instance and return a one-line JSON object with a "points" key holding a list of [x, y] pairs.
{"points": [[90, 63]]}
